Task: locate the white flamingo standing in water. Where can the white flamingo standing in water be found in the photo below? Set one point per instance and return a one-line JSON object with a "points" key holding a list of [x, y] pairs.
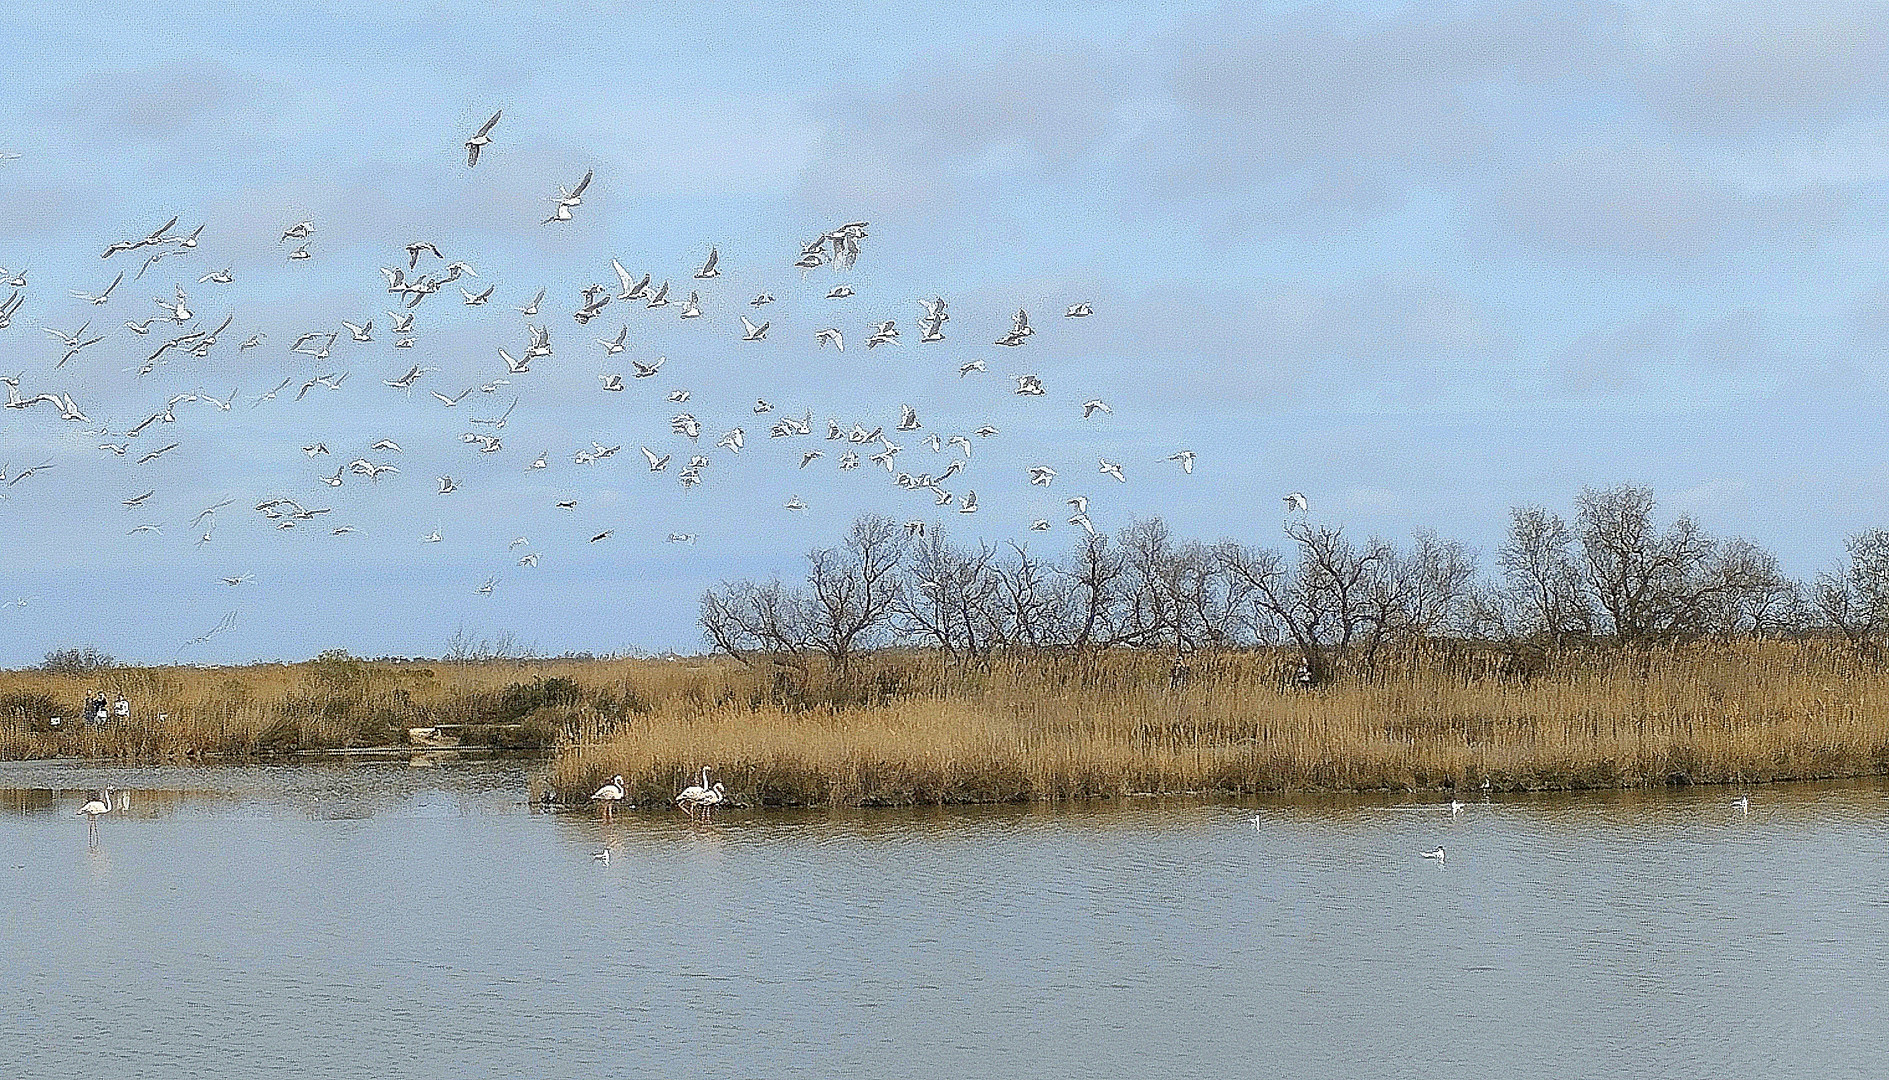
{"points": [[609, 795], [98, 804], [700, 795]]}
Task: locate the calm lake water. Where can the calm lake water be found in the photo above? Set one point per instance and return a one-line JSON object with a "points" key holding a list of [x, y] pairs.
{"points": [[385, 920]]}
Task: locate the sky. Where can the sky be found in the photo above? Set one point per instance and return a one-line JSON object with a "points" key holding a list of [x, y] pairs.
{"points": [[1423, 263]]}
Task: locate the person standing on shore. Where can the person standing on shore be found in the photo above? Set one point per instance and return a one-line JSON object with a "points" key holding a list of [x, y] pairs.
{"points": [[121, 709]]}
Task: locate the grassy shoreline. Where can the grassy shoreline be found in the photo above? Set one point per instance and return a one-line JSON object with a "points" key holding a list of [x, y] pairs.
{"points": [[1740, 713], [900, 729]]}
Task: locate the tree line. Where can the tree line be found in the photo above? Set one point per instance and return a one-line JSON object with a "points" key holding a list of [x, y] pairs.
{"points": [[1612, 575]]}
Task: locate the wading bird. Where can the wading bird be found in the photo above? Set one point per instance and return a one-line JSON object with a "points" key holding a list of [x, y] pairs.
{"points": [[700, 796], [98, 804], [609, 795]]}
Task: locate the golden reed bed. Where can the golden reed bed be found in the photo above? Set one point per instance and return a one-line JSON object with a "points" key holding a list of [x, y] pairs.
{"points": [[901, 729]]}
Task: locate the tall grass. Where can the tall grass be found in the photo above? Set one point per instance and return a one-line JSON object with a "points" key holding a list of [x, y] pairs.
{"points": [[1111, 726], [191, 712], [901, 728]]}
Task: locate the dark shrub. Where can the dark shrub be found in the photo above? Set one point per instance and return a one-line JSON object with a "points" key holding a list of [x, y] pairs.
{"points": [[78, 660]]}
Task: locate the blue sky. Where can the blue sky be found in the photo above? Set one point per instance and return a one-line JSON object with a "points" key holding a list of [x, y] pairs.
{"points": [[1421, 262]]}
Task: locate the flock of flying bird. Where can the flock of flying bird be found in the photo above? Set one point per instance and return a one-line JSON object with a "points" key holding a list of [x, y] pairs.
{"points": [[422, 273]]}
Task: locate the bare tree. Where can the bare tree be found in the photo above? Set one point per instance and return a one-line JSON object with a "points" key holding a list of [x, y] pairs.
{"points": [[1855, 598], [1149, 613], [1651, 585], [743, 619], [1095, 576], [851, 589], [1436, 581], [1322, 602], [1035, 600], [1752, 596], [1207, 598], [1542, 594], [951, 598]]}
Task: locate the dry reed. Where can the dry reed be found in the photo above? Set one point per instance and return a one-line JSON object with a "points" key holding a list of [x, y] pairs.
{"points": [[1112, 726], [901, 729]]}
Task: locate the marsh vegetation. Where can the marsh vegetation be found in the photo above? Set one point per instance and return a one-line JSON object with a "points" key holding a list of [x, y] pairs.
{"points": [[1609, 652]]}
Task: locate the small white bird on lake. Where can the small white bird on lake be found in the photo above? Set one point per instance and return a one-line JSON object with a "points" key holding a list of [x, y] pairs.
{"points": [[1439, 855], [609, 795]]}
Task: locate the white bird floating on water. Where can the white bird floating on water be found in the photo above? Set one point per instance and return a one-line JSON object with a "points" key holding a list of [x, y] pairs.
{"points": [[1439, 855], [609, 795]]}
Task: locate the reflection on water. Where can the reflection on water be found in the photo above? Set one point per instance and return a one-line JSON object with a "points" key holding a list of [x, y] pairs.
{"points": [[383, 920]]}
